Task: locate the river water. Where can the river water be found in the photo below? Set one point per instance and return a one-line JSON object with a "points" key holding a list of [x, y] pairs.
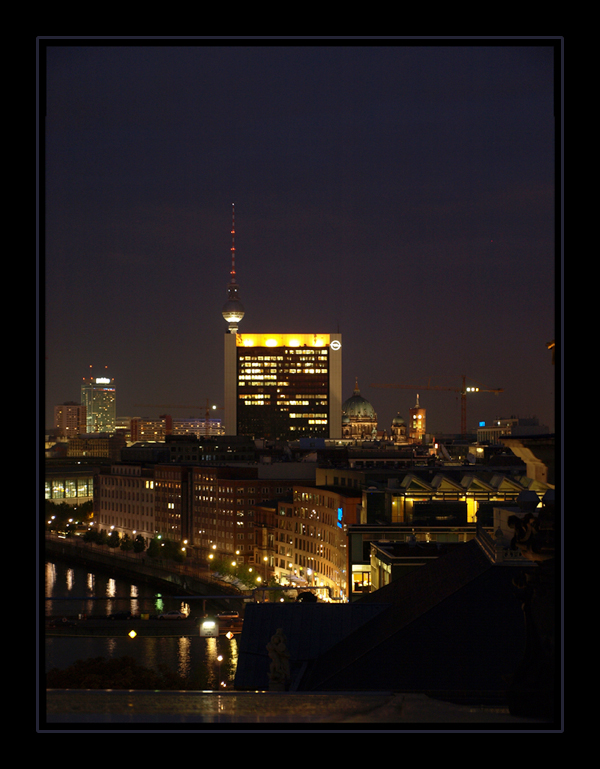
{"points": [[77, 591]]}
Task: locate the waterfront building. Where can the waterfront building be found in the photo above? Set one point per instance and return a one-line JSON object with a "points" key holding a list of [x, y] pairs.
{"points": [[225, 503], [301, 541], [73, 485], [316, 532], [124, 500]]}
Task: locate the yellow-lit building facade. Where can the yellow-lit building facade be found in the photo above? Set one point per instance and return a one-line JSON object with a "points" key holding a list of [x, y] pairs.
{"points": [[283, 386], [308, 544], [417, 423]]}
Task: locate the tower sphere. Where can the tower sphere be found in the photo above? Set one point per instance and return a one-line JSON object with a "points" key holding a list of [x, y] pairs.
{"points": [[233, 309]]}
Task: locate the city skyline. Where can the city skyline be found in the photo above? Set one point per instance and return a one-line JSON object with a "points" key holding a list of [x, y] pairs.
{"points": [[402, 194]]}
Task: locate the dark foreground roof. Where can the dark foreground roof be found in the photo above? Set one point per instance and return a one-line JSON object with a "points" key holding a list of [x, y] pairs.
{"points": [[452, 628], [310, 629]]}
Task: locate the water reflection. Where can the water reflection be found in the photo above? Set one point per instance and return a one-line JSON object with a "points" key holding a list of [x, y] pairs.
{"points": [[95, 594], [212, 665], [50, 575], [184, 656]]}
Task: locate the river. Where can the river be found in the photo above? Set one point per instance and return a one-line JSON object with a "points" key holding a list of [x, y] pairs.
{"points": [[77, 591]]}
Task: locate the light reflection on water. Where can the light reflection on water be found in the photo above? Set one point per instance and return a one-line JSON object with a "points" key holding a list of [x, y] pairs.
{"points": [[192, 657]]}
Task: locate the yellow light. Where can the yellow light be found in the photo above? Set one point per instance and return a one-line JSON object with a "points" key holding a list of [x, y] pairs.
{"points": [[282, 340], [132, 634]]}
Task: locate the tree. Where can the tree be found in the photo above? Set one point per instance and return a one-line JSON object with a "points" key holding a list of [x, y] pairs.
{"points": [[139, 544], [154, 548]]}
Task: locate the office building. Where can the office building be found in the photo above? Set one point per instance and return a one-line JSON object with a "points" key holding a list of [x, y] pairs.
{"points": [[98, 396], [283, 386]]}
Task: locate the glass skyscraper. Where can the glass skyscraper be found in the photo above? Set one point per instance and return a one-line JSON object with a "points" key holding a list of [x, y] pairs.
{"points": [[98, 395]]}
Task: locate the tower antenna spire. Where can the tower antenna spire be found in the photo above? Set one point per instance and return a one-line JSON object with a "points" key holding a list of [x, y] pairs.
{"points": [[233, 311], [233, 241]]}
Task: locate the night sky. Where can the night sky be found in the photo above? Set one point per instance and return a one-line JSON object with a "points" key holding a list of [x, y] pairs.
{"points": [[403, 192]]}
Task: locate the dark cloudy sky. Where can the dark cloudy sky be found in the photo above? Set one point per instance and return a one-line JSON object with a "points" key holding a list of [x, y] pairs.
{"points": [[401, 191]]}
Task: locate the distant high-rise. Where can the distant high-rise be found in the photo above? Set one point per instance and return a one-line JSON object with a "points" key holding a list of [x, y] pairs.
{"points": [[70, 419], [98, 395]]}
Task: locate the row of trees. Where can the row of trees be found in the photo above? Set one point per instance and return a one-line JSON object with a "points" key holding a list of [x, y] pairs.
{"points": [[71, 520]]}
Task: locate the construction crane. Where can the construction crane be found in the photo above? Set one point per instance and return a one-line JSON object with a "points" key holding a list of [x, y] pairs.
{"points": [[207, 409], [463, 390]]}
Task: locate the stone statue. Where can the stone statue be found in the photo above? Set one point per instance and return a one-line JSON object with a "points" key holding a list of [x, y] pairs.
{"points": [[279, 670]]}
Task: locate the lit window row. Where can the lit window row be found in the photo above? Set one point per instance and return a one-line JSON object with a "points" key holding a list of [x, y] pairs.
{"points": [[308, 371]]}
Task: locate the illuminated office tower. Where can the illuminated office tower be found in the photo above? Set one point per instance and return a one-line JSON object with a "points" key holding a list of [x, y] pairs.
{"points": [[283, 386], [98, 395]]}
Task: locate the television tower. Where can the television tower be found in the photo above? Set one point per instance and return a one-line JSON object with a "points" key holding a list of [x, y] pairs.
{"points": [[233, 310]]}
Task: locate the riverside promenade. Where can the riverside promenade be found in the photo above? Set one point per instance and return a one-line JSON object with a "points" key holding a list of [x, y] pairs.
{"points": [[188, 578]]}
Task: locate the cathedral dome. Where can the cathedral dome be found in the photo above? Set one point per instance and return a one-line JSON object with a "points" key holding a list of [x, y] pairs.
{"points": [[357, 407], [397, 420]]}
